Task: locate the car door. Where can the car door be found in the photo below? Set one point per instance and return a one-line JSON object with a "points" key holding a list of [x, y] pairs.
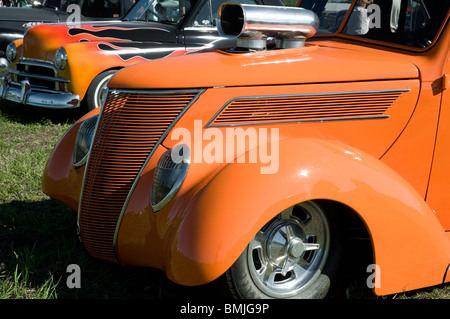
{"points": [[439, 186]]}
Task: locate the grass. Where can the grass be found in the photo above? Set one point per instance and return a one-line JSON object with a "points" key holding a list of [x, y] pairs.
{"points": [[38, 238], [38, 235]]}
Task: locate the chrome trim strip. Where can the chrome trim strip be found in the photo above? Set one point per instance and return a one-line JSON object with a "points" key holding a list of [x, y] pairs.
{"points": [[42, 77], [174, 91], [41, 89], [34, 60], [200, 27], [296, 95], [305, 121], [38, 63]]}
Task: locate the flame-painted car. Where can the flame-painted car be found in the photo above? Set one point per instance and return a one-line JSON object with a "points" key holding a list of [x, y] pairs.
{"points": [[68, 64], [14, 21], [267, 166]]}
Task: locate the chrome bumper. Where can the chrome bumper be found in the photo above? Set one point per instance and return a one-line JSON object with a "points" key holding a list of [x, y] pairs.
{"points": [[23, 94]]}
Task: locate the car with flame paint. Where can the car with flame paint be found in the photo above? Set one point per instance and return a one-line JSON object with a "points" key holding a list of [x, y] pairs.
{"points": [[356, 127], [14, 21], [66, 65]]}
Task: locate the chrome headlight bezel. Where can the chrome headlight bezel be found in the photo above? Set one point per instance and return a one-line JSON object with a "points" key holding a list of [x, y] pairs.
{"points": [[61, 58], [170, 172], [83, 141], [11, 52]]}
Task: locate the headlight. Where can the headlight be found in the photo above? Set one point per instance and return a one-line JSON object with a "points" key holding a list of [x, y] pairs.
{"points": [[11, 52], [83, 141], [169, 175], [61, 59]]}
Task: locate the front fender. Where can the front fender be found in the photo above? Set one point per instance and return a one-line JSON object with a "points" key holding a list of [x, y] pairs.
{"points": [[86, 60], [210, 229]]}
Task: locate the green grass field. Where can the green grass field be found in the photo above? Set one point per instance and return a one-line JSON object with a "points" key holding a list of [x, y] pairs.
{"points": [[38, 238]]}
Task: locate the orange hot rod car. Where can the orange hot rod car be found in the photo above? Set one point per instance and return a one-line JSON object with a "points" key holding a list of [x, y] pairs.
{"points": [[256, 164]]}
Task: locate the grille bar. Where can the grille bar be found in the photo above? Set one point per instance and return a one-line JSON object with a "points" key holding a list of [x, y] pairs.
{"points": [[42, 75], [130, 127]]}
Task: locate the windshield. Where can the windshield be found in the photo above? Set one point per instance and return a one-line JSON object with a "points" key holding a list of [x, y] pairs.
{"points": [[412, 23], [90, 8], [169, 11], [58, 4], [331, 13]]}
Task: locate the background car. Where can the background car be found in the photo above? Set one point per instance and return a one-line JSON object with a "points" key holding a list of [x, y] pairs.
{"points": [[75, 63], [14, 21]]}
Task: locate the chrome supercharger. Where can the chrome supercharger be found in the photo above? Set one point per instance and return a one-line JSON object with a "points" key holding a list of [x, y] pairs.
{"points": [[253, 25]]}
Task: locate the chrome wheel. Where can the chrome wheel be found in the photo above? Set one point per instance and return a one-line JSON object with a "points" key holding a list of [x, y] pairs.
{"points": [[100, 91], [286, 258], [97, 89]]}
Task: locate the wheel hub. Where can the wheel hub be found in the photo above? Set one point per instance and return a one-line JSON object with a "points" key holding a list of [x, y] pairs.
{"points": [[296, 247], [289, 253], [285, 239]]}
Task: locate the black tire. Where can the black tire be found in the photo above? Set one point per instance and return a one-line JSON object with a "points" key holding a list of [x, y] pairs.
{"points": [[304, 246], [96, 90]]}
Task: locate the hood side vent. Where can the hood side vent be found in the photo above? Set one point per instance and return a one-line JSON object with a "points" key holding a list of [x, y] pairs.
{"points": [[306, 108]]}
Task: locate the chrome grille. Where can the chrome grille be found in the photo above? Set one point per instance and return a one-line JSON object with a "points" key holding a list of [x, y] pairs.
{"points": [[42, 75], [130, 126]]}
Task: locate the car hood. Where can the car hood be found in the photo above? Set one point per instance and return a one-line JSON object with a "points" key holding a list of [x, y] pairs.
{"points": [[29, 14], [311, 64], [41, 41]]}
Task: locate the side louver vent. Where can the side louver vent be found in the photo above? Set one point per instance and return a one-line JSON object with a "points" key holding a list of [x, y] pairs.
{"points": [[306, 107], [130, 126]]}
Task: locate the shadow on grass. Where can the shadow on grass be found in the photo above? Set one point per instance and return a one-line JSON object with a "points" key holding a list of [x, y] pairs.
{"points": [[26, 114], [38, 241]]}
